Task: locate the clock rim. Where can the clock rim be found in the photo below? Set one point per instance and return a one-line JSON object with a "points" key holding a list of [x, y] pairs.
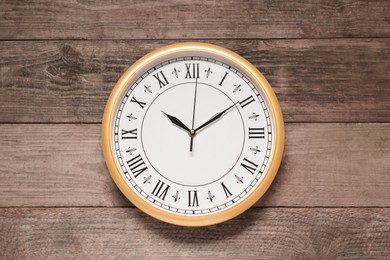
{"points": [[278, 132]]}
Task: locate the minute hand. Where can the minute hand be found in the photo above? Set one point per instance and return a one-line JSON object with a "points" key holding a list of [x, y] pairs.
{"points": [[215, 117]]}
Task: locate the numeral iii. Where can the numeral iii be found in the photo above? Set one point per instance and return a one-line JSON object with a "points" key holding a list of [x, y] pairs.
{"points": [[256, 133]]}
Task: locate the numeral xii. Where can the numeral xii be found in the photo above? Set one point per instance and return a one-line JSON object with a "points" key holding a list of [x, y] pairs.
{"points": [[192, 70]]}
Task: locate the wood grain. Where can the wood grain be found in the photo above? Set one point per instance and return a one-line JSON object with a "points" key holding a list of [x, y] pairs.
{"points": [[273, 233], [189, 20], [325, 165], [334, 80], [328, 62]]}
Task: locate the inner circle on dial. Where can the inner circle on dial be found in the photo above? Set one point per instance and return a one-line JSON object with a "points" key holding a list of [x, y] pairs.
{"points": [[216, 148]]}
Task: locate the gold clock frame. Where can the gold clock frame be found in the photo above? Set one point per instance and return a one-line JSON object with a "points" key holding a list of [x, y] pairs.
{"points": [[278, 131]]}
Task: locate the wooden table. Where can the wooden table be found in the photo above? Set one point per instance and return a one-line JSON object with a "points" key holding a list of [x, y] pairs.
{"points": [[328, 62]]}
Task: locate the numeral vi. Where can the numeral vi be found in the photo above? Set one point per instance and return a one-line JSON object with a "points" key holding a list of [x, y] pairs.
{"points": [[193, 200]]}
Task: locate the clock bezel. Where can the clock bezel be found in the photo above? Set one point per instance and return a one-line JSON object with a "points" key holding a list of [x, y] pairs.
{"points": [[258, 80]]}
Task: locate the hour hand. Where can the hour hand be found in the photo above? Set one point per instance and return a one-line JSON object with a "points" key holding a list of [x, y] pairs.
{"points": [[177, 122]]}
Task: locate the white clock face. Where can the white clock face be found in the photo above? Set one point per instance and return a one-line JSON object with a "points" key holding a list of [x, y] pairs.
{"points": [[192, 135]]}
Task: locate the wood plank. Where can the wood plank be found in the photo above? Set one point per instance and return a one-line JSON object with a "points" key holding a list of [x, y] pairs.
{"points": [[272, 233], [192, 20], [336, 80], [324, 165]]}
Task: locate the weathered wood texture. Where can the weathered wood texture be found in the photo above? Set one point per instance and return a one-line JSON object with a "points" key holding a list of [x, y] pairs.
{"points": [[338, 80], [191, 19], [328, 62], [324, 165], [273, 233]]}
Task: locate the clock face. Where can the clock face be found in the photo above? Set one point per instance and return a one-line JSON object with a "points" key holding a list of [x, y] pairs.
{"points": [[191, 134]]}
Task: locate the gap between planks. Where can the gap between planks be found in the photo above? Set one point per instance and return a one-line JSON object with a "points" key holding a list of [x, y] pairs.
{"points": [[189, 39]]}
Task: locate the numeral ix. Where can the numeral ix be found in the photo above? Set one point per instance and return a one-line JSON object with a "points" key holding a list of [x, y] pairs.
{"points": [[132, 134]]}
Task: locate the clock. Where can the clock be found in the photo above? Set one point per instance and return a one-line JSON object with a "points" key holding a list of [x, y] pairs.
{"points": [[193, 134]]}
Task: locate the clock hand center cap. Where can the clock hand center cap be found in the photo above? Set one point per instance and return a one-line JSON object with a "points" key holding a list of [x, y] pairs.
{"points": [[192, 132]]}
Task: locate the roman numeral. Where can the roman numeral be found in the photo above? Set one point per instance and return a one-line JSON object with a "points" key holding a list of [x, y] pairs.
{"points": [[132, 134], [192, 70], [224, 76], [247, 101], [160, 190], [137, 165], [256, 133], [142, 104], [226, 190], [249, 166], [193, 200], [163, 80]]}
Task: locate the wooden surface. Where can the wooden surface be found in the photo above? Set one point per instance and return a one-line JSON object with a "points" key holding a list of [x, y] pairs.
{"points": [[62, 165], [328, 62], [342, 80], [277, 233], [174, 19]]}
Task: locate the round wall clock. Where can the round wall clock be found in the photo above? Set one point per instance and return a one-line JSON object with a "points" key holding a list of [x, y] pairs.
{"points": [[193, 134]]}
